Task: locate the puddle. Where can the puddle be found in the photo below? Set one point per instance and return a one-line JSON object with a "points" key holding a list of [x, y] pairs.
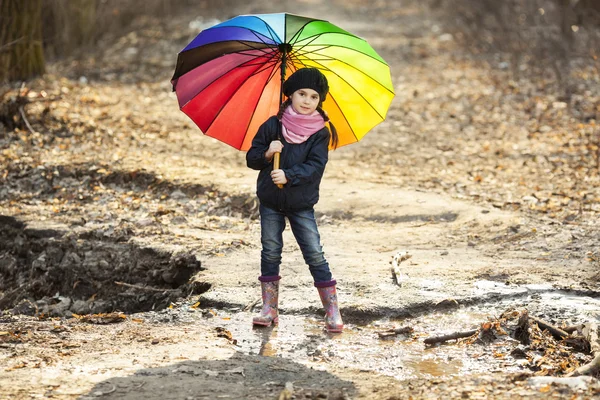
{"points": [[484, 286], [301, 338]]}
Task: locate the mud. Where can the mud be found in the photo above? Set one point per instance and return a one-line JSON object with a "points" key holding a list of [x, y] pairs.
{"points": [[52, 272], [405, 356], [216, 353]]}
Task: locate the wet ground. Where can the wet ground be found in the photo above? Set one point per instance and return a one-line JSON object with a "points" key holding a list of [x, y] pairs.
{"points": [[405, 356], [204, 349]]}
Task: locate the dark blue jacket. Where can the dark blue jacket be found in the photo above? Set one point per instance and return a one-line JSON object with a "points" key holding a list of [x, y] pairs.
{"points": [[303, 165]]}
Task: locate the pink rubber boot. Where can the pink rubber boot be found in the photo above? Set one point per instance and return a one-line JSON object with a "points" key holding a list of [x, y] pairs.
{"points": [[270, 296], [328, 294]]}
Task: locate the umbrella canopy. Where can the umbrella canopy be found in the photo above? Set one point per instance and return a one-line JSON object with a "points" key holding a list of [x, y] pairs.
{"points": [[228, 79]]}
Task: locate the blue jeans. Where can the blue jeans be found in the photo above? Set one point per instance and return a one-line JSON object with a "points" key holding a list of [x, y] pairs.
{"points": [[304, 228]]}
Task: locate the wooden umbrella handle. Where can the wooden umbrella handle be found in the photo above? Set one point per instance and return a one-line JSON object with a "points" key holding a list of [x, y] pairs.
{"points": [[276, 166]]}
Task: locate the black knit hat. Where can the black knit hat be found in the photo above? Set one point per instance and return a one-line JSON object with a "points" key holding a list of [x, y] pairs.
{"points": [[307, 78]]}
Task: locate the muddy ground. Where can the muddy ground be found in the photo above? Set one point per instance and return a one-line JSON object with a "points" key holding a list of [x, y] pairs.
{"points": [[115, 202]]}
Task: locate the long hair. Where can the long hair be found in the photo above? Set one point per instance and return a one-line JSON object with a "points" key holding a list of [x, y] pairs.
{"points": [[333, 139]]}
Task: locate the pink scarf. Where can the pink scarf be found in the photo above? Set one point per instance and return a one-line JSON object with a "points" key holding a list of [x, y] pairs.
{"points": [[297, 128]]}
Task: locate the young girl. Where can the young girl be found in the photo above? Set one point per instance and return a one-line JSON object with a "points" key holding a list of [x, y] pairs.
{"points": [[298, 132]]}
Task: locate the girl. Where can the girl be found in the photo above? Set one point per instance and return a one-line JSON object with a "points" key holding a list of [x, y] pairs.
{"points": [[298, 132]]}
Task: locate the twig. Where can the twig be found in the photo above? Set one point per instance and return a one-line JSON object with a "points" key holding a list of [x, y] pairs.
{"points": [[395, 270], [395, 331], [114, 388], [22, 112], [593, 367], [44, 99], [522, 328], [452, 336], [6, 45], [251, 305], [419, 225], [573, 328], [558, 333], [148, 288]]}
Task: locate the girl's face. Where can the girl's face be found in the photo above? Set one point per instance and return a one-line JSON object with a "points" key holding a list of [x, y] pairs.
{"points": [[305, 101]]}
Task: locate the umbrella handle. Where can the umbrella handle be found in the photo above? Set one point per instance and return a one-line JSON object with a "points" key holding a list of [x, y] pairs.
{"points": [[276, 166]]}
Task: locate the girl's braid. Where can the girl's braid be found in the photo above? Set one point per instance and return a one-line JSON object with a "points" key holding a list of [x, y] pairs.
{"points": [[334, 136], [322, 112], [282, 108]]}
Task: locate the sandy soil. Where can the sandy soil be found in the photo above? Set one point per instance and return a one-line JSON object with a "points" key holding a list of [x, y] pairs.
{"points": [[148, 179]]}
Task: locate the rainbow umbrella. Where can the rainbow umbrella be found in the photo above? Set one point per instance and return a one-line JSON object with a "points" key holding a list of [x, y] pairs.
{"points": [[228, 79]]}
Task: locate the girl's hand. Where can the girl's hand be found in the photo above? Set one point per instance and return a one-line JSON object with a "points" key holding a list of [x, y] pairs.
{"points": [[275, 147], [278, 177]]}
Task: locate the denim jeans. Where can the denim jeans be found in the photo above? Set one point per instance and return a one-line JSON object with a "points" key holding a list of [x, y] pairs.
{"points": [[304, 228]]}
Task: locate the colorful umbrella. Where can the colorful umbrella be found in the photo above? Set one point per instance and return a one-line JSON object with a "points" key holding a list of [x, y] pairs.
{"points": [[228, 79]]}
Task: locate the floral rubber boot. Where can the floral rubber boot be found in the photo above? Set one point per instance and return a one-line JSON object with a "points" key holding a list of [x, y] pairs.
{"points": [[333, 318], [270, 296]]}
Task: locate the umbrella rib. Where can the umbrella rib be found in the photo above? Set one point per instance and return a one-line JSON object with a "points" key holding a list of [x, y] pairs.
{"points": [[272, 32], [299, 31], [261, 49], [330, 33], [273, 59], [246, 64], [294, 57], [359, 93], [228, 100], [351, 66], [268, 27], [304, 52], [302, 46], [271, 75], [290, 63], [263, 65], [275, 70], [258, 37], [344, 116], [345, 47], [266, 66], [273, 62], [255, 33], [247, 52]]}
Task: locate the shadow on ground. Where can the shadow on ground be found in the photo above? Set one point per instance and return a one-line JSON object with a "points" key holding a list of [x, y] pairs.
{"points": [[239, 377], [82, 184]]}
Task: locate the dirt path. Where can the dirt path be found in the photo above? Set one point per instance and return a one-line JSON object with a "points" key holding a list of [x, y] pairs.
{"points": [[146, 178]]}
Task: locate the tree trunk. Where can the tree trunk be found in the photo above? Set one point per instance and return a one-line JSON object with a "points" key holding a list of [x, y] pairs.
{"points": [[21, 51], [69, 25]]}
